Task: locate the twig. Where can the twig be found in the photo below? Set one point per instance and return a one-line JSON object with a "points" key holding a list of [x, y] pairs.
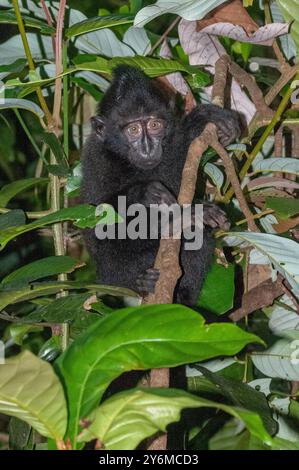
{"points": [[259, 297], [164, 35], [276, 118], [49, 21], [58, 233], [221, 69], [30, 60], [244, 79]]}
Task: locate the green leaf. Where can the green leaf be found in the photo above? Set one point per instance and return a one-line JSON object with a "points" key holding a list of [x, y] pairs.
{"points": [[129, 417], [139, 338], [61, 310], [50, 266], [155, 67], [99, 22], [15, 67], [12, 219], [289, 9], [91, 63], [53, 142], [280, 360], [73, 183], [281, 165], [218, 300], [10, 190], [9, 17], [83, 216], [187, 9], [283, 207], [30, 391], [244, 396], [282, 252], [18, 332], [23, 104], [215, 174], [88, 87], [12, 295]]}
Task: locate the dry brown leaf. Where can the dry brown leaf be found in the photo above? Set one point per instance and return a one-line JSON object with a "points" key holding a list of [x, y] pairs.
{"points": [[257, 273], [232, 12], [285, 225]]}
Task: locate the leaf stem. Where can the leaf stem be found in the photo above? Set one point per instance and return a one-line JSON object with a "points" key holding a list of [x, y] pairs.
{"points": [[31, 65], [276, 118]]}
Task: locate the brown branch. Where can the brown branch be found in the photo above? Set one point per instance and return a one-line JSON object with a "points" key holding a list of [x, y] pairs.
{"points": [[244, 79], [221, 69], [234, 181], [281, 82], [259, 297]]}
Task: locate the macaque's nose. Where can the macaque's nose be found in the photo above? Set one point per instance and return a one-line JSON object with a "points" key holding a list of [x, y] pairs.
{"points": [[147, 148]]}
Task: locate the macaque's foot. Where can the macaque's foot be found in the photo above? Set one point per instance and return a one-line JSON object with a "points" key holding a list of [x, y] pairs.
{"points": [[146, 282], [228, 127], [215, 217], [156, 193]]}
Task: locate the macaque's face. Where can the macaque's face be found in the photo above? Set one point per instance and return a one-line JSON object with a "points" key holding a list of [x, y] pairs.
{"points": [[136, 139], [144, 137]]}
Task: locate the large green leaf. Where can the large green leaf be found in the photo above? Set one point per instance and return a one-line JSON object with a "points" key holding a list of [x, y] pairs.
{"points": [[91, 63], [9, 17], [157, 67], [31, 391], [283, 207], [12, 219], [187, 9], [139, 338], [13, 294], [82, 215], [282, 252], [244, 396], [129, 417], [11, 103], [218, 300], [10, 190], [99, 22], [290, 11], [274, 164], [50, 266], [280, 360]]}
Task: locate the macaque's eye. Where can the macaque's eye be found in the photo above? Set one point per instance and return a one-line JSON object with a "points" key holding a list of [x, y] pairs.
{"points": [[155, 126], [133, 130]]}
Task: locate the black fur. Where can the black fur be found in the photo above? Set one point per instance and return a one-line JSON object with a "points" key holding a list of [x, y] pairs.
{"points": [[107, 174]]}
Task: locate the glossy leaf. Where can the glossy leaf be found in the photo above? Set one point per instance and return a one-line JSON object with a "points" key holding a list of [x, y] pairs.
{"points": [[139, 338], [282, 252], [10, 103], [50, 266], [99, 22], [129, 417], [9, 17], [218, 300], [10, 190], [156, 67], [188, 9], [12, 295], [82, 215], [283, 207], [31, 391]]}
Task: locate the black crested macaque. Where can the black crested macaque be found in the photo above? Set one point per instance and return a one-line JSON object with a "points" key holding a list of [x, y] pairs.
{"points": [[137, 148]]}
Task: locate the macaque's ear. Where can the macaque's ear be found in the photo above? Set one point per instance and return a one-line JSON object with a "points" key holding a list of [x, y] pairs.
{"points": [[99, 126]]}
